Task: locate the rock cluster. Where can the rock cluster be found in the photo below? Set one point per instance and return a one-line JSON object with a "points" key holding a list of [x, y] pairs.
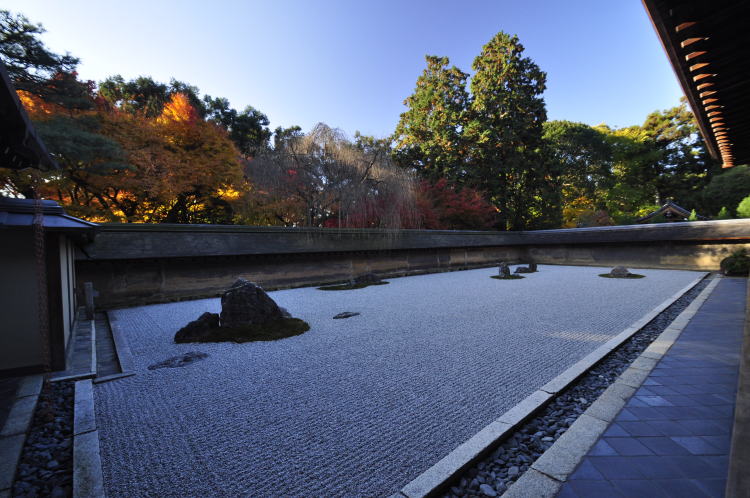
{"points": [[365, 278], [503, 270], [46, 464], [619, 272], [507, 463], [527, 269], [244, 303]]}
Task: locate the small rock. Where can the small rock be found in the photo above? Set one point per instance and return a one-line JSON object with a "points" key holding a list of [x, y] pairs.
{"points": [[346, 314], [487, 490], [513, 471], [58, 492], [179, 361], [548, 438]]}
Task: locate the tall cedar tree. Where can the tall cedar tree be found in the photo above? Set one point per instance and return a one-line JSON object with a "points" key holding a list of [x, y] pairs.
{"points": [[429, 136], [505, 131]]}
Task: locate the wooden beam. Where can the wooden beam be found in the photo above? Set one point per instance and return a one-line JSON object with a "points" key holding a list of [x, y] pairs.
{"points": [[684, 26], [689, 41], [693, 55], [704, 85], [700, 65], [702, 76]]}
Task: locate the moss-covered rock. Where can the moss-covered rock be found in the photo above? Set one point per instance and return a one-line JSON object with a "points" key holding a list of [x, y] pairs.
{"points": [[268, 331]]}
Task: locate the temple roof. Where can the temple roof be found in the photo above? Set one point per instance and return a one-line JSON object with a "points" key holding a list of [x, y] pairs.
{"points": [[20, 146], [708, 44], [671, 211]]}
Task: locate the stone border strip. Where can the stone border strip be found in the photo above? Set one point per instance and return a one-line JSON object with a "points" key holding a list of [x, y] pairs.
{"points": [[124, 356], [738, 480], [431, 481], [92, 365], [554, 466], [88, 481], [13, 433]]}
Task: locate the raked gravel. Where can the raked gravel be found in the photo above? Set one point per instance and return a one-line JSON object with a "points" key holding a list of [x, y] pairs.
{"points": [[355, 407]]}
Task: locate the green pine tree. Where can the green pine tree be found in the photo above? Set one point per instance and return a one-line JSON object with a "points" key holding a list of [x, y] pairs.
{"points": [[505, 135]]}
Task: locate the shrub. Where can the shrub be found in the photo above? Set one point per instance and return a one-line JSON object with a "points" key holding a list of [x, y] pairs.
{"points": [[738, 264], [743, 210], [723, 214]]}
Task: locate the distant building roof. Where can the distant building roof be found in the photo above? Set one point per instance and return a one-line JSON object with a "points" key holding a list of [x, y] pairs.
{"points": [[20, 146], [708, 42], [671, 211]]}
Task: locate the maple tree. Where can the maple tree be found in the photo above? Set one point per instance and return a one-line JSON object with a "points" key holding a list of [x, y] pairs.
{"points": [[445, 206]]}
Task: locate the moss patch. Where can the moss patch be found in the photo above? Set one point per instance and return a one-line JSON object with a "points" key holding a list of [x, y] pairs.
{"points": [[271, 331], [512, 277], [341, 287], [630, 275]]}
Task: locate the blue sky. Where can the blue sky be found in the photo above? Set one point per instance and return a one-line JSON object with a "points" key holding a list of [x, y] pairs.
{"points": [[351, 64]]}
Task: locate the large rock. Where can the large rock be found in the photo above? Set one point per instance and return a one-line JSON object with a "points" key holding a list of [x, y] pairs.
{"points": [[619, 272], [366, 278], [245, 303], [503, 270], [198, 329]]}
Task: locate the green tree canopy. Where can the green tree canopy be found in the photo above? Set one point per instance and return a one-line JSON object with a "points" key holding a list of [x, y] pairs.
{"points": [[727, 189], [429, 137], [505, 131]]}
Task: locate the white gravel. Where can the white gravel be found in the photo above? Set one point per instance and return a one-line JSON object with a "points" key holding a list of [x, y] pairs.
{"points": [[358, 406]]}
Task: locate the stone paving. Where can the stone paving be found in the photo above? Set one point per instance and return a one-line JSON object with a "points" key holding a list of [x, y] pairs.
{"points": [[672, 438], [358, 406]]}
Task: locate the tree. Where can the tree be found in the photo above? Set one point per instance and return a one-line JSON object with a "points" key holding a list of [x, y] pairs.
{"points": [[682, 168], [444, 206], [333, 181], [693, 216], [29, 63], [743, 209], [723, 214], [429, 137], [505, 130], [247, 129], [582, 156], [727, 189]]}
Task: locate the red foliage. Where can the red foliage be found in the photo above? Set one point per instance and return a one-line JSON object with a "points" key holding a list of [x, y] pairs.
{"points": [[444, 206]]}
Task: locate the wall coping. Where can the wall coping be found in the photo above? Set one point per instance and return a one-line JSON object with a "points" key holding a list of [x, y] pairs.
{"points": [[124, 241]]}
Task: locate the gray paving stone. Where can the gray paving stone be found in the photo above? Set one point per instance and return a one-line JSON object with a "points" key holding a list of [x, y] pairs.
{"points": [[533, 484], [19, 417], [10, 452], [87, 471], [84, 419], [560, 460]]}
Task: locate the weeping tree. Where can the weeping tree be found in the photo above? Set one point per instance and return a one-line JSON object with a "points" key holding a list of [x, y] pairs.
{"points": [[323, 179]]}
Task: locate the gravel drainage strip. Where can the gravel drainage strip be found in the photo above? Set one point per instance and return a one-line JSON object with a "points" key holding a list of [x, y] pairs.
{"points": [[483, 467], [46, 464]]}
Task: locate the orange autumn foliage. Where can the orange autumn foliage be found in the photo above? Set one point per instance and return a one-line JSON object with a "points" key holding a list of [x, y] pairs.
{"points": [[178, 110]]}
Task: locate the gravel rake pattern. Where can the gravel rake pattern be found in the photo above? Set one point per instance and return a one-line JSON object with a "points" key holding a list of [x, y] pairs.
{"points": [[351, 407]]}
